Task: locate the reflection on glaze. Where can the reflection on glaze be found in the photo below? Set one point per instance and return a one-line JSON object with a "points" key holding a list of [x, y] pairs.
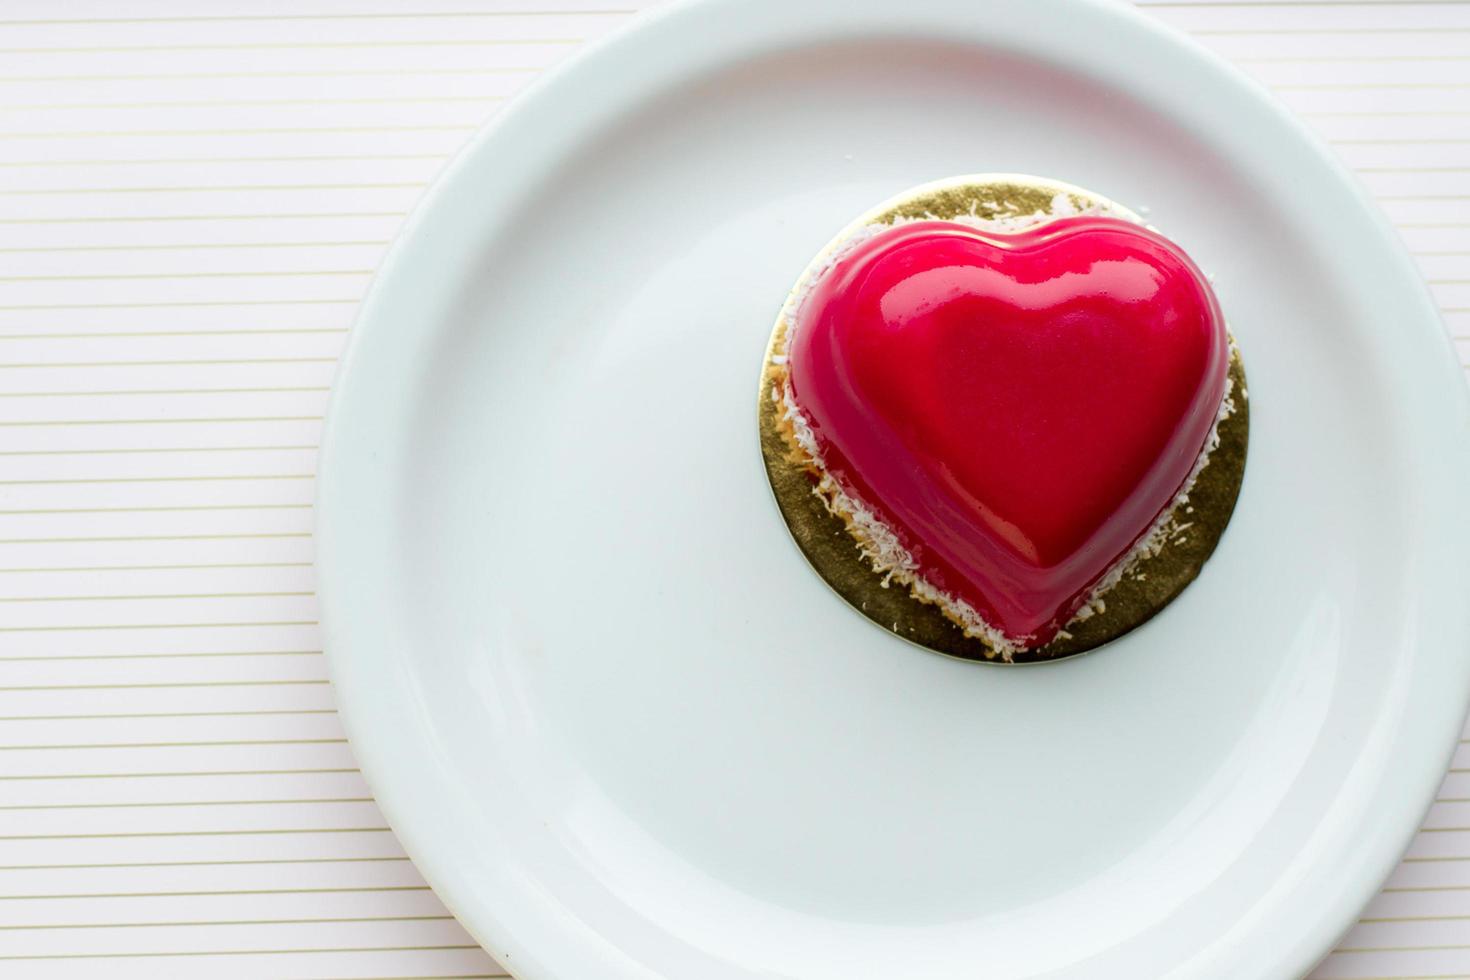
{"points": [[1019, 408]]}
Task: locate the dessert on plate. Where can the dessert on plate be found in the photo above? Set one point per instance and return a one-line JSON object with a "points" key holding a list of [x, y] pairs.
{"points": [[1004, 418]]}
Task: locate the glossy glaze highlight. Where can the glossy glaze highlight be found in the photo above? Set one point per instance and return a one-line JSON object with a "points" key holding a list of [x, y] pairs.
{"points": [[1019, 408]]}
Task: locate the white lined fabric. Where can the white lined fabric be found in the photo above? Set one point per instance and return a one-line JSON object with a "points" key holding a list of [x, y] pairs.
{"points": [[192, 200]]}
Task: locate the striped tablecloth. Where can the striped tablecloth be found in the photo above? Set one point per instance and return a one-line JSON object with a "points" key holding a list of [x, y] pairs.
{"points": [[192, 199]]}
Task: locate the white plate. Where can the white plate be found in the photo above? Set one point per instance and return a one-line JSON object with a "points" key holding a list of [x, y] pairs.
{"points": [[626, 732]]}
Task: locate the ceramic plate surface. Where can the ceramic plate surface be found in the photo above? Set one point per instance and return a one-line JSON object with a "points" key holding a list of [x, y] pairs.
{"points": [[626, 732]]}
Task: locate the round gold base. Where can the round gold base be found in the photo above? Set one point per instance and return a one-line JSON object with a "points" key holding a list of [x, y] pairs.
{"points": [[1150, 584]]}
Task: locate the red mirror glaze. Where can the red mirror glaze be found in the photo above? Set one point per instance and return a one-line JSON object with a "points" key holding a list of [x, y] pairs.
{"points": [[1019, 408]]}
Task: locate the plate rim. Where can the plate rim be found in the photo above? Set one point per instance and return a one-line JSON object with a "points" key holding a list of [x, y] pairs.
{"points": [[363, 696]]}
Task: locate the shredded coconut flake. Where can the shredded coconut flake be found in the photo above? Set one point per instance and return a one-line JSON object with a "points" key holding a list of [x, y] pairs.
{"points": [[881, 546], [1160, 531], [879, 543]]}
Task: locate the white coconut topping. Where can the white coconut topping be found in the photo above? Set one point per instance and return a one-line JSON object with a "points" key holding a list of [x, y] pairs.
{"points": [[1163, 528], [876, 540], [881, 546]]}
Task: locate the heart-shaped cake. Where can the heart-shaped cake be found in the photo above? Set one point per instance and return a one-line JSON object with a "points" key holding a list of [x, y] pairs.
{"points": [[1005, 414]]}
